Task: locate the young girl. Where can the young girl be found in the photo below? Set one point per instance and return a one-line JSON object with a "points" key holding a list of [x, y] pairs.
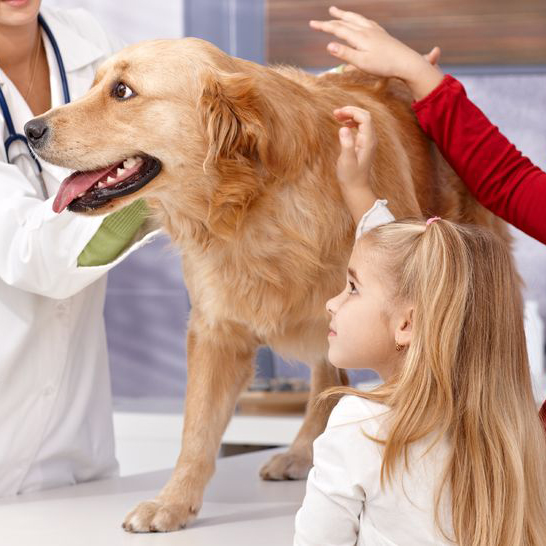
{"points": [[497, 174], [449, 449]]}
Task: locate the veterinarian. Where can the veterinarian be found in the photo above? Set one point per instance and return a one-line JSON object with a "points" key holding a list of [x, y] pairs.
{"points": [[496, 173], [429, 456], [55, 401]]}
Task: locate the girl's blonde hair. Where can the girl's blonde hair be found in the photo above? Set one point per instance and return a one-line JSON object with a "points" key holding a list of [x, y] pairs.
{"points": [[465, 377]]}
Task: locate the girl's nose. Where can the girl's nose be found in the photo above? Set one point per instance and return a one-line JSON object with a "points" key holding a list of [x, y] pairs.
{"points": [[332, 305]]}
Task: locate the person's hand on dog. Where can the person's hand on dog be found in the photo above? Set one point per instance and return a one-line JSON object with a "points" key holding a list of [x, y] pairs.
{"points": [[433, 57], [372, 49], [355, 159]]}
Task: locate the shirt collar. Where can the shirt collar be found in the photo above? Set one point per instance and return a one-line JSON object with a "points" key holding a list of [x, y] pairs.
{"points": [[76, 51]]}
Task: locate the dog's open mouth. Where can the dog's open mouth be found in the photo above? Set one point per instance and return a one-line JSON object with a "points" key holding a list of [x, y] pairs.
{"points": [[88, 190]]}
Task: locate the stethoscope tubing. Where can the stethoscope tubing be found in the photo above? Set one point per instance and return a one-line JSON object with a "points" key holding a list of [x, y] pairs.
{"points": [[58, 57], [13, 136]]}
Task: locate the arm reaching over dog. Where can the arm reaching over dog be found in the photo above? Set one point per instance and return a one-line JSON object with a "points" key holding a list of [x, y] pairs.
{"points": [[372, 49], [499, 176], [495, 171]]}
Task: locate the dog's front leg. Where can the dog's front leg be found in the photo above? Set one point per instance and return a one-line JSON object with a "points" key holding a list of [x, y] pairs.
{"points": [[220, 364], [296, 462]]}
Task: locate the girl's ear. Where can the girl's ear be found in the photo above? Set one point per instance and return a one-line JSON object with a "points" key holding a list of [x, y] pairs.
{"points": [[403, 327], [237, 121]]}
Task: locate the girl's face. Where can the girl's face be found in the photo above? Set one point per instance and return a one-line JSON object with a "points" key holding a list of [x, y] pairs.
{"points": [[365, 325], [18, 12]]}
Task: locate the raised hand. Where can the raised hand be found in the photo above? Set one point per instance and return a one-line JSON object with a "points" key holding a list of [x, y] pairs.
{"points": [[371, 48], [355, 159]]}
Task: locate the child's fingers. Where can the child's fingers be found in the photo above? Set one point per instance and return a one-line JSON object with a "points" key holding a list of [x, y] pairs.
{"points": [[347, 122], [433, 56], [359, 115], [353, 116], [347, 156], [346, 54], [349, 68], [339, 29], [345, 31], [350, 17], [341, 115], [365, 137], [332, 24], [346, 139], [365, 144]]}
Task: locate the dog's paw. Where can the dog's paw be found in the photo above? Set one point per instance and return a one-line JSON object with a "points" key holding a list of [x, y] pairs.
{"points": [[287, 466], [159, 516]]}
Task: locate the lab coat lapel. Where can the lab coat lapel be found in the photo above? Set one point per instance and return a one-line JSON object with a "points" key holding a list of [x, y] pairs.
{"points": [[78, 56], [76, 51]]}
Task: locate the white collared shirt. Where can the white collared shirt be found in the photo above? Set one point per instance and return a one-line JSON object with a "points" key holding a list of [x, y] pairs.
{"points": [[55, 400], [345, 505], [378, 215]]}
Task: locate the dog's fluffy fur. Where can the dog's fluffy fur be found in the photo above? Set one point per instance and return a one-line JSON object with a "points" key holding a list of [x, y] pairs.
{"points": [[248, 192]]}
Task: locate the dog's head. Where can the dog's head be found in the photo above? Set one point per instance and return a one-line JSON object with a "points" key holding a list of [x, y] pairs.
{"points": [[174, 119]]}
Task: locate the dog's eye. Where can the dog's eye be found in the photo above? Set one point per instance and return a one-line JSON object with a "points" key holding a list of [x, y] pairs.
{"points": [[122, 91]]}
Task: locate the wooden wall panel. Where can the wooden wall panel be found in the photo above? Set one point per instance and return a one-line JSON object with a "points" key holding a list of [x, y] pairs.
{"points": [[470, 32]]}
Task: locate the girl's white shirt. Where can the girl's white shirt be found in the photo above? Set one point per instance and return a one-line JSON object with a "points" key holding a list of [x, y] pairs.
{"points": [[378, 215], [55, 404], [345, 505]]}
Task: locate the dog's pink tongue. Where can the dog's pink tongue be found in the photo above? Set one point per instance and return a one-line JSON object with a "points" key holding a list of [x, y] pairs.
{"points": [[75, 184]]}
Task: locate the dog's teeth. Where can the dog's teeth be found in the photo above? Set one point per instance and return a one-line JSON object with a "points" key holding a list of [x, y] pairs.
{"points": [[110, 179], [129, 163], [101, 184], [81, 194], [120, 172]]}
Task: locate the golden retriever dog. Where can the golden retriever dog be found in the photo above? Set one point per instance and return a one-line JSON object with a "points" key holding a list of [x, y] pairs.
{"points": [[237, 162]]}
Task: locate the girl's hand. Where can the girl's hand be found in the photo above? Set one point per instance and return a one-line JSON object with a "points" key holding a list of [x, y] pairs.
{"points": [[372, 49], [355, 159]]}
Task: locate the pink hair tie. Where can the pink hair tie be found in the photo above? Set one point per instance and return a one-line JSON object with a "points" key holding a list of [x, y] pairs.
{"points": [[430, 220]]}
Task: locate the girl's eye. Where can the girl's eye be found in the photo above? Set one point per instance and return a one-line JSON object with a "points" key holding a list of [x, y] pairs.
{"points": [[352, 287], [122, 91]]}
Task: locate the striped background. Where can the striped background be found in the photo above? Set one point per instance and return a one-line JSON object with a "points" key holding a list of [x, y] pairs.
{"points": [[470, 32]]}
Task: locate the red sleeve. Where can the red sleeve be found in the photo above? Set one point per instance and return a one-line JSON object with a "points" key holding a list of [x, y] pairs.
{"points": [[497, 174]]}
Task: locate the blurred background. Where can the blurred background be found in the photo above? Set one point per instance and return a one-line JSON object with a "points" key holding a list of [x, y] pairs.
{"points": [[497, 48]]}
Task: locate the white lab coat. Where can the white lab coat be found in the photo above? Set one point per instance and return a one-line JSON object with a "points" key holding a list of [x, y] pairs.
{"points": [[55, 400]]}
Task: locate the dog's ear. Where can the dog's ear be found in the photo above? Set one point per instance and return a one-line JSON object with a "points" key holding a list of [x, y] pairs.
{"points": [[239, 126]]}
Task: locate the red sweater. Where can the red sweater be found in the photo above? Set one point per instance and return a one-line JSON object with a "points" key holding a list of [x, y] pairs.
{"points": [[497, 174]]}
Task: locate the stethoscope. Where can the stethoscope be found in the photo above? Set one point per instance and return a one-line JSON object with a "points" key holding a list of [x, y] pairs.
{"points": [[13, 135]]}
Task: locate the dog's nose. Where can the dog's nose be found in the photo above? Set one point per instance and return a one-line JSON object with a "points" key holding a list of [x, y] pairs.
{"points": [[36, 131]]}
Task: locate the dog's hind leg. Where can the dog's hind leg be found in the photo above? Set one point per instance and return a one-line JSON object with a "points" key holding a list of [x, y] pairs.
{"points": [[220, 365], [296, 462]]}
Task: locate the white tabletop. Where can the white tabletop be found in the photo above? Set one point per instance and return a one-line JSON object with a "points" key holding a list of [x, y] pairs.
{"points": [[239, 509]]}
